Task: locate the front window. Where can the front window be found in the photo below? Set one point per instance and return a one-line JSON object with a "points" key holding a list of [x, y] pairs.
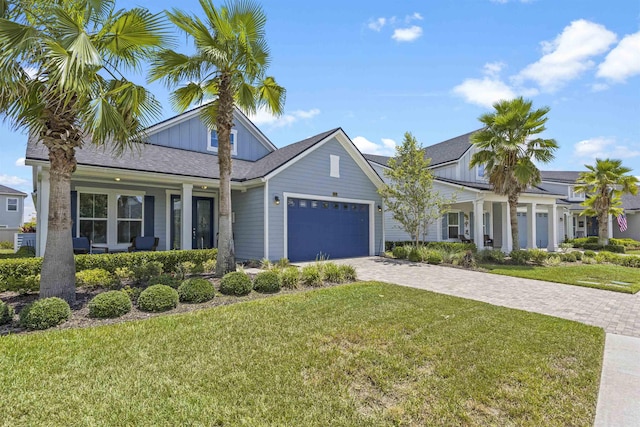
{"points": [[575, 195], [93, 211], [454, 225], [480, 171], [12, 205], [213, 142], [129, 209]]}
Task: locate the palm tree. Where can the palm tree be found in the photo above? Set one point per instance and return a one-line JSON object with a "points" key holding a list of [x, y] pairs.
{"points": [[61, 80], [604, 184], [228, 67], [507, 147]]}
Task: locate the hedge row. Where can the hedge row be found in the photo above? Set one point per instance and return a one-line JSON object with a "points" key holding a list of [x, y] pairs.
{"points": [[171, 260], [445, 246]]}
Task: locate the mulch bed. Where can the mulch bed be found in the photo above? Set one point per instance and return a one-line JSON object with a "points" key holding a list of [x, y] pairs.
{"points": [[80, 312]]}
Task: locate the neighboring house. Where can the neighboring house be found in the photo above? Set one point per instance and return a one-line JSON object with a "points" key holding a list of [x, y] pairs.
{"points": [[563, 182], [478, 213], [317, 196], [11, 212]]}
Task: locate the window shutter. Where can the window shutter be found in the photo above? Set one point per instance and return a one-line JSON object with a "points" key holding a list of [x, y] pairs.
{"points": [[487, 223], [445, 227], [461, 222], [471, 226], [74, 213], [149, 210]]}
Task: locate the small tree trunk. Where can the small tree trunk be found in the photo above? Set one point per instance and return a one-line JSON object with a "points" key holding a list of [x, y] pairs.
{"points": [[58, 267], [603, 228], [226, 261], [513, 213]]}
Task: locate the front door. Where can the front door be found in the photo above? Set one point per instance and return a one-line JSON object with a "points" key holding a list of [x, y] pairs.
{"points": [[202, 223], [592, 226]]}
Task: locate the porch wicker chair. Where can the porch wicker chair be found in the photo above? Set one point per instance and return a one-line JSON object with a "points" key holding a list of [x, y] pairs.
{"points": [[143, 243], [488, 241], [463, 239]]}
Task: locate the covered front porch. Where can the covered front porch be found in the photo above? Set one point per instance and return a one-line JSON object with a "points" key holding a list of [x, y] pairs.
{"points": [[486, 222]]}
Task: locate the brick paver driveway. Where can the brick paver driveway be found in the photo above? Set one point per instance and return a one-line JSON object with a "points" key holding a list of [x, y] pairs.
{"points": [[617, 313]]}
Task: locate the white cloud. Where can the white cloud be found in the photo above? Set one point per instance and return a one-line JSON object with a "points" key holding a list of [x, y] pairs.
{"points": [[407, 34], [413, 17], [569, 54], [20, 161], [386, 148], [377, 24], [623, 61], [603, 147], [264, 118], [484, 92], [12, 181], [599, 87]]}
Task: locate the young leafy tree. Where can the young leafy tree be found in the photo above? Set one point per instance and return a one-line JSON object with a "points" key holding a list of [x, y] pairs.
{"points": [[604, 184], [61, 66], [409, 193], [508, 147], [228, 67]]}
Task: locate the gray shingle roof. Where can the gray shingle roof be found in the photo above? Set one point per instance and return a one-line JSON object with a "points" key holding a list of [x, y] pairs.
{"points": [[381, 160], [631, 202], [160, 159], [566, 177], [449, 150], [487, 187], [8, 190]]}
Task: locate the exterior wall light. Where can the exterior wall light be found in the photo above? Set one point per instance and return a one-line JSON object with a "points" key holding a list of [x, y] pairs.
{"points": [[276, 200], [379, 208]]}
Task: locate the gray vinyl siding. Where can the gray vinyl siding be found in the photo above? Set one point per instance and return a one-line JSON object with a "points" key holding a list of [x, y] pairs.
{"points": [[393, 231], [248, 229], [159, 212], [193, 135], [12, 220], [310, 176], [497, 225], [450, 171]]}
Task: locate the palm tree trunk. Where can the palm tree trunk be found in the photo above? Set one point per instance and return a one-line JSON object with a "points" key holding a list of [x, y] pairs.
{"points": [[513, 213], [603, 227], [226, 261], [58, 267]]}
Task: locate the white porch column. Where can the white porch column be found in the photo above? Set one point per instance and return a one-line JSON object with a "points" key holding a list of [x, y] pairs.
{"points": [[43, 214], [553, 228], [610, 226], [187, 232], [532, 235], [507, 242], [478, 218]]}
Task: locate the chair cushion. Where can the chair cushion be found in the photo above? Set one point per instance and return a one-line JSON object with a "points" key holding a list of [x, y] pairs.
{"points": [[81, 243], [145, 242]]}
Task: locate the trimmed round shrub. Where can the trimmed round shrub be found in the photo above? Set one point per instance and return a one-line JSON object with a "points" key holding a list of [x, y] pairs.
{"points": [[589, 254], [267, 282], [400, 252], [311, 275], [6, 313], [109, 305], [236, 283], [95, 278], [415, 255], [578, 255], [434, 257], [165, 279], [332, 273], [45, 313], [290, 277], [520, 257], [158, 298], [538, 256], [491, 255], [568, 257], [348, 272], [196, 290]]}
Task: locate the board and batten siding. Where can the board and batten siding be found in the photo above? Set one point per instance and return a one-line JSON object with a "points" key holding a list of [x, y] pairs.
{"points": [[159, 211], [311, 175], [450, 171], [248, 228], [192, 135]]}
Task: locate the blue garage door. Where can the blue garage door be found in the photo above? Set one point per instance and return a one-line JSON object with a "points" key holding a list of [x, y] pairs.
{"points": [[333, 229]]}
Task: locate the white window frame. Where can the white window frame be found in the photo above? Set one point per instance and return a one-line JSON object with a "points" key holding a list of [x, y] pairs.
{"points": [[449, 225], [234, 146], [17, 204], [575, 195], [484, 170], [4, 226], [112, 212], [79, 218], [334, 171]]}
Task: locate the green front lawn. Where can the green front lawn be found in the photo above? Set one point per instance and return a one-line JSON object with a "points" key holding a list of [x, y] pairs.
{"points": [[363, 354], [600, 276]]}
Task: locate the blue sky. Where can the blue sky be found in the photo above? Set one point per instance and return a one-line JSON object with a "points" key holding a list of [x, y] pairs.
{"points": [[378, 69]]}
